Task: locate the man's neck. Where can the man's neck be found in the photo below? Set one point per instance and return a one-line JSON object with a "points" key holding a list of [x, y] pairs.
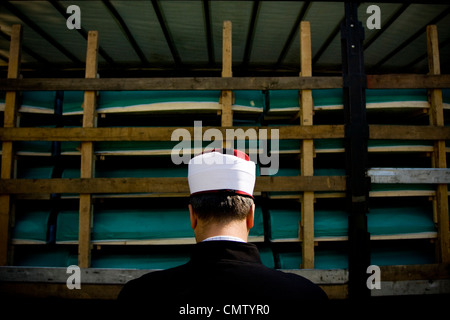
{"points": [[234, 229], [224, 238]]}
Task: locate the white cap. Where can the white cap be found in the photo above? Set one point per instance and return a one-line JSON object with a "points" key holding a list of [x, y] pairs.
{"points": [[222, 170]]}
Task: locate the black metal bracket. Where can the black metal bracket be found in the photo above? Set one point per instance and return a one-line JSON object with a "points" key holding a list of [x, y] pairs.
{"points": [[356, 150]]}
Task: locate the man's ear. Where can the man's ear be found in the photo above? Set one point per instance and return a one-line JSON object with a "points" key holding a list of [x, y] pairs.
{"points": [[193, 217], [251, 217]]}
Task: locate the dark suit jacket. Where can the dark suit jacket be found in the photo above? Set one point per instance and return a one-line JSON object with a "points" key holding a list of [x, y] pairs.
{"points": [[221, 273]]}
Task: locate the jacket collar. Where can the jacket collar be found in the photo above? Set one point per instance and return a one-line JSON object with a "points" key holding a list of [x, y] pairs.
{"points": [[214, 251]]}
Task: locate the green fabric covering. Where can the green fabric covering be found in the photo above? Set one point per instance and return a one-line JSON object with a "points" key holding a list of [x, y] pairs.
{"points": [[393, 95], [446, 95], [323, 259], [139, 261], [249, 98], [71, 147], [73, 100], [130, 172], [117, 99], [258, 227], [400, 220], [128, 225], [334, 223], [43, 172], [67, 226], [327, 97], [39, 99], [266, 255], [34, 146], [381, 254], [134, 224], [393, 253], [284, 223], [280, 99], [31, 225], [321, 144], [45, 257]]}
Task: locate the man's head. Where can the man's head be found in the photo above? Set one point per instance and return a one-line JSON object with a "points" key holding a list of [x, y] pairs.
{"points": [[221, 203]]}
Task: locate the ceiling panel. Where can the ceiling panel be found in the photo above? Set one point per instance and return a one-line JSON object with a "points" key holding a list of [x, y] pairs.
{"points": [[143, 24], [173, 36]]}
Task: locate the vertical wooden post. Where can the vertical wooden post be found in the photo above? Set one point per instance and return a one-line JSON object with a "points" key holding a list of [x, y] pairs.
{"points": [[439, 154], [227, 95], [7, 166], [87, 154], [307, 151]]}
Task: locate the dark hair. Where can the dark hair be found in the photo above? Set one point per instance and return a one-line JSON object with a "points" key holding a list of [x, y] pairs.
{"points": [[221, 207]]}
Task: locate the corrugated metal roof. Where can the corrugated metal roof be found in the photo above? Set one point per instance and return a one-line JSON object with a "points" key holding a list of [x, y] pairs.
{"points": [[177, 37]]}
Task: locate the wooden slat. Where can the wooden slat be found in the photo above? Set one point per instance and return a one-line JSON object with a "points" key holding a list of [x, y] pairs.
{"points": [[226, 98], [7, 161], [398, 132], [439, 155], [165, 133], [388, 132], [160, 185], [200, 83], [408, 81], [389, 81], [409, 175], [87, 154], [307, 149]]}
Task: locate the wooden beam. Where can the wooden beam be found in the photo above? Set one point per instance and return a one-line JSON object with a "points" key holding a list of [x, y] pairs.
{"points": [[389, 81], [409, 175], [7, 164], [165, 133], [398, 132], [197, 83], [408, 81], [439, 155], [226, 98], [388, 132], [160, 185], [307, 149], [87, 154]]}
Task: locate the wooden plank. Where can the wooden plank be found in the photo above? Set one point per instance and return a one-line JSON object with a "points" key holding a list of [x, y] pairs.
{"points": [[7, 161], [165, 133], [160, 185], [408, 81], [409, 175], [307, 149], [43, 291], [121, 276], [399, 132], [439, 155], [200, 83], [87, 154], [226, 98]]}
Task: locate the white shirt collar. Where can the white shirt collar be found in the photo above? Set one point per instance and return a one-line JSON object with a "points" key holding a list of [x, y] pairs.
{"points": [[224, 238]]}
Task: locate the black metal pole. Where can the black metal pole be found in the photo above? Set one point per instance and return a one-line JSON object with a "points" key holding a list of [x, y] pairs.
{"points": [[356, 136]]}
